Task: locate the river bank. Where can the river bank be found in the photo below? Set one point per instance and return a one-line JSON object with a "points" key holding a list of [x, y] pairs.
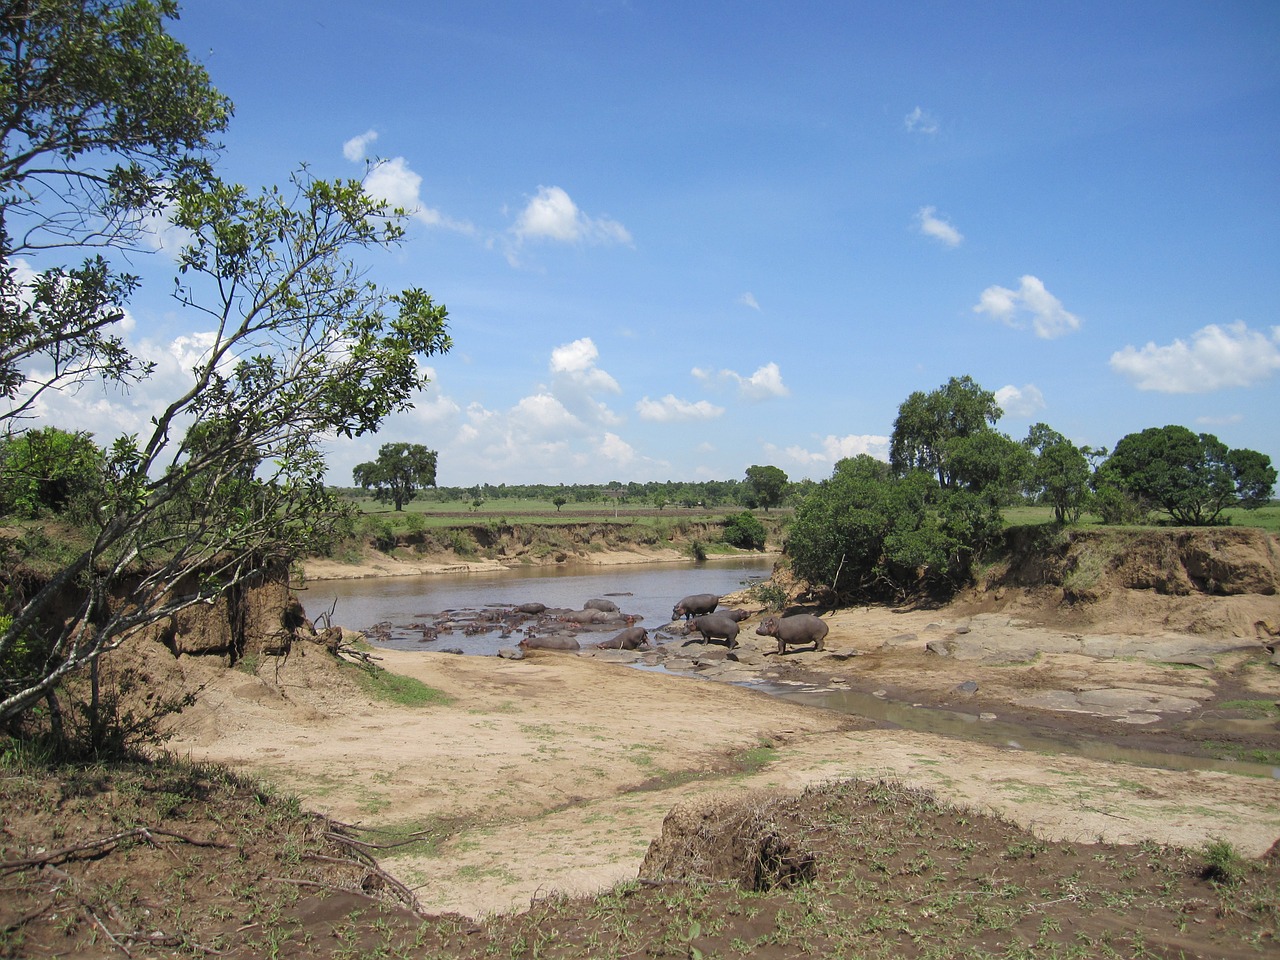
{"points": [[555, 772]]}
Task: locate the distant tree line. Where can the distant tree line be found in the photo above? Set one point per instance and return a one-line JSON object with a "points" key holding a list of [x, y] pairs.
{"points": [[403, 471]]}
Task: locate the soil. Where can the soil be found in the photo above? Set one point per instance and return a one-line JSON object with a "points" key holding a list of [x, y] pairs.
{"points": [[532, 782]]}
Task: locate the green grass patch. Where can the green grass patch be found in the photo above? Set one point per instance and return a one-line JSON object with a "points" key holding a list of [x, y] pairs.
{"points": [[387, 687], [1256, 708]]}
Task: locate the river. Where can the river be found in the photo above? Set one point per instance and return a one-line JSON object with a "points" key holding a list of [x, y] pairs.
{"points": [[647, 590]]}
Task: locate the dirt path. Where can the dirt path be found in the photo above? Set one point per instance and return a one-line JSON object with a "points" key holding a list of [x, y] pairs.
{"points": [[554, 773]]}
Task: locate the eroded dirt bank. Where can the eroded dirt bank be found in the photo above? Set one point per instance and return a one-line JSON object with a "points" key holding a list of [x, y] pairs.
{"points": [[555, 772]]}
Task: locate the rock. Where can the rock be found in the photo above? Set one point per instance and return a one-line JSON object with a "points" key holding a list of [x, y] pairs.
{"points": [[969, 687], [511, 653], [986, 716], [843, 654], [941, 648]]}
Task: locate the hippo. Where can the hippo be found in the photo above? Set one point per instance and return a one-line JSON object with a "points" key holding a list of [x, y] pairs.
{"points": [[608, 606], [802, 628], [632, 638], [713, 626], [586, 616], [694, 606], [550, 643], [532, 608], [737, 614]]}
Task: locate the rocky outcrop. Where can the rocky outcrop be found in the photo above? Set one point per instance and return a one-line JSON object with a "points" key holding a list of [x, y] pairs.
{"points": [[1088, 564]]}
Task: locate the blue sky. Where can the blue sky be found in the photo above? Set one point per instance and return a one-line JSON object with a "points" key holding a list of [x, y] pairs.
{"points": [[679, 239]]}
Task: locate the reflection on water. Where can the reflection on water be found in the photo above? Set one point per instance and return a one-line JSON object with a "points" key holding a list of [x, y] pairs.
{"points": [[999, 733], [648, 590]]}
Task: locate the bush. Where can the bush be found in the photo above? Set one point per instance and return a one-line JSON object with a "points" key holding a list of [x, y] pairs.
{"points": [[745, 532], [50, 471]]}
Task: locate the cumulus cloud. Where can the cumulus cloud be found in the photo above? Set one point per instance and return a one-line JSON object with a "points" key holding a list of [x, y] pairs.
{"points": [[576, 363], [1216, 357], [940, 230], [1030, 303], [1022, 402], [832, 449], [616, 450], [671, 409], [395, 182], [552, 215], [920, 120], [357, 148], [748, 299], [764, 384]]}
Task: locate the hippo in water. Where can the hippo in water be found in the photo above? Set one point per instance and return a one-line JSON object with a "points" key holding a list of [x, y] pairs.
{"points": [[632, 638], [607, 606], [532, 608], [695, 605], [713, 626], [802, 628]]}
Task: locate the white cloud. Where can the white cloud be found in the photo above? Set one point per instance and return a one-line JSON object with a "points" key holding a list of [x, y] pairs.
{"points": [[396, 183], [766, 382], [552, 215], [940, 230], [832, 449], [613, 448], [748, 299], [920, 121], [1031, 301], [1217, 357], [1023, 402], [576, 363], [356, 148], [1225, 420], [670, 409]]}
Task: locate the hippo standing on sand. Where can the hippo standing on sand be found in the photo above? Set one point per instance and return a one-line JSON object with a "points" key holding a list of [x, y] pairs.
{"points": [[802, 628], [695, 605], [632, 638], [713, 626], [550, 643]]}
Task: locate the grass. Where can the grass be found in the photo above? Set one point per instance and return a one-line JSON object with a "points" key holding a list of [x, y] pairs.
{"points": [[396, 688]]}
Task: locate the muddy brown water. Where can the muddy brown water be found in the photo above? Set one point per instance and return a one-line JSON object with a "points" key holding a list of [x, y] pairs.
{"points": [[401, 605], [646, 590]]}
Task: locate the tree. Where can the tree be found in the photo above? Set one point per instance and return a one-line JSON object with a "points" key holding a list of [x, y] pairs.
{"points": [[401, 470], [102, 115], [928, 424], [768, 485], [44, 471], [1191, 477], [869, 533], [1060, 473], [302, 348], [559, 500]]}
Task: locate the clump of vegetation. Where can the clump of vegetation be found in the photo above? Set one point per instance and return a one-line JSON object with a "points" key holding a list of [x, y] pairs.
{"points": [[744, 531], [770, 595]]}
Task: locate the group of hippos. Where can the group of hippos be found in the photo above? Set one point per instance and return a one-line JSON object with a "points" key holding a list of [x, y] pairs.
{"points": [[696, 614]]}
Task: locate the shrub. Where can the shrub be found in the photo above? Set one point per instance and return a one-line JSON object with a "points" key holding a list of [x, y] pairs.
{"points": [[744, 531]]}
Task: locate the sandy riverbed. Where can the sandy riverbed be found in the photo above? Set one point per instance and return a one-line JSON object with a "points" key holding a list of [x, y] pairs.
{"points": [[553, 773]]}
